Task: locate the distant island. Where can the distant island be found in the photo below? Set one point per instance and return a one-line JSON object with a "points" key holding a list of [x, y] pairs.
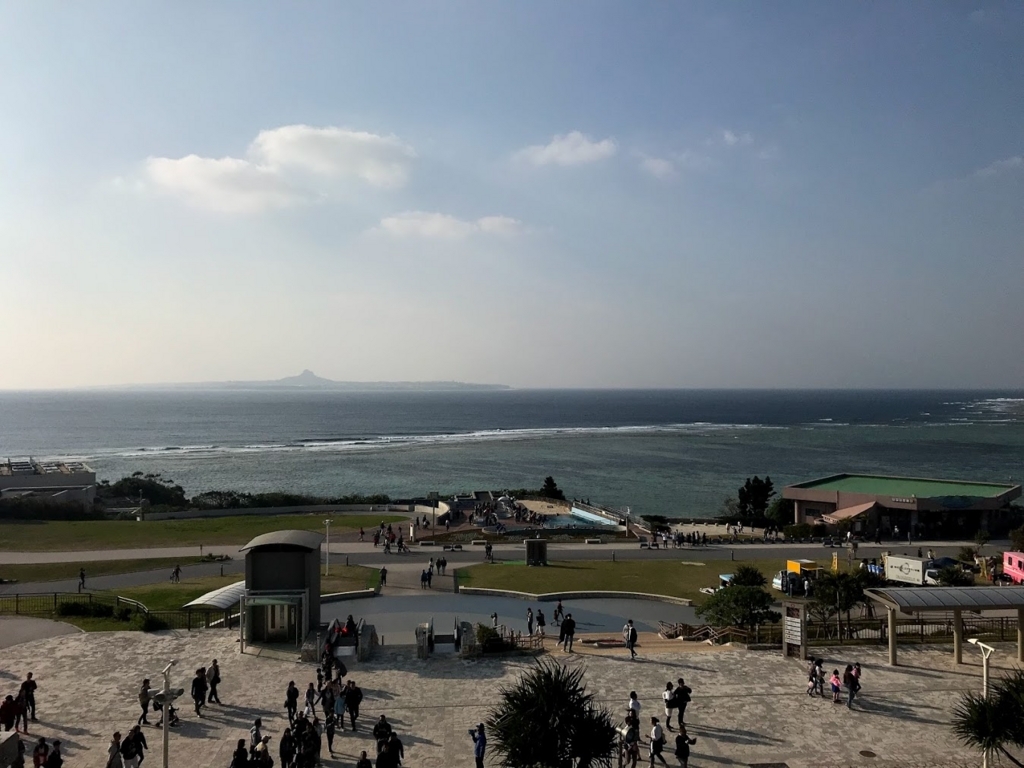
{"points": [[307, 380]]}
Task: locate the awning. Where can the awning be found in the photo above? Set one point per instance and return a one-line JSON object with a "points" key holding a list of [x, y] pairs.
{"points": [[283, 600], [848, 513], [220, 599]]}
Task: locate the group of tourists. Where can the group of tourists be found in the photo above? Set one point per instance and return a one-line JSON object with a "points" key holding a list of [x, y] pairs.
{"points": [[427, 574], [676, 698], [850, 680], [17, 709]]}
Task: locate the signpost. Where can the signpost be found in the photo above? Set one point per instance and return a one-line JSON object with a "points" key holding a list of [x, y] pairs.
{"points": [[165, 698], [794, 630]]}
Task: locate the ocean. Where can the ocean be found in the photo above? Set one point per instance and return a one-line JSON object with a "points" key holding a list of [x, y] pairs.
{"points": [[673, 452]]}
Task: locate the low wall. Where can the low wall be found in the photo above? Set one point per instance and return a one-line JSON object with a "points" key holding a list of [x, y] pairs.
{"points": [[596, 594], [337, 597], [340, 509]]}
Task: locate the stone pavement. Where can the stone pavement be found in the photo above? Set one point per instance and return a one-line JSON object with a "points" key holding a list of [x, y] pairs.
{"points": [[22, 629], [748, 707]]}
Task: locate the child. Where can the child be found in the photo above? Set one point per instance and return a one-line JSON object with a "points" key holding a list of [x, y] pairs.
{"points": [[837, 685], [683, 742]]}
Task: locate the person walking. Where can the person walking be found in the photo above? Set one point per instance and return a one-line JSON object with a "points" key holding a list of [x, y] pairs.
{"points": [[657, 742], [199, 689], [255, 735], [631, 740], [541, 622], [383, 576], [529, 621], [669, 696], [559, 614], [852, 685], [381, 732], [837, 685], [240, 757], [144, 698], [176, 574], [213, 680], [329, 731], [291, 701], [568, 630], [40, 752], [114, 752], [311, 699], [364, 761], [629, 635], [683, 744], [81, 579], [353, 697], [28, 691], [138, 738], [479, 744], [633, 705], [396, 749]]}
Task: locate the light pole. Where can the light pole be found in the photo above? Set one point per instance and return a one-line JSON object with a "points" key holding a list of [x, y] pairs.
{"points": [[986, 651], [327, 556], [165, 704]]}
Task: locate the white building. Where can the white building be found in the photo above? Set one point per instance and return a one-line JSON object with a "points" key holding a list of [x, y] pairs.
{"points": [[58, 481]]}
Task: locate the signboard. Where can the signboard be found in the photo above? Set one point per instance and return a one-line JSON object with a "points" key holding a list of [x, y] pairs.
{"points": [[791, 630]]}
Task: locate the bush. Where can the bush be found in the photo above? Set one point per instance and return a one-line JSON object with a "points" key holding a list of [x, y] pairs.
{"points": [[797, 531], [489, 640], [147, 622], [80, 608], [954, 577], [1017, 539], [966, 554]]}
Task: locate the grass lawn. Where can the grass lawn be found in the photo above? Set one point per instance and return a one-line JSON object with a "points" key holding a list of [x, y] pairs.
{"points": [[663, 577], [58, 571], [20, 535], [170, 597]]}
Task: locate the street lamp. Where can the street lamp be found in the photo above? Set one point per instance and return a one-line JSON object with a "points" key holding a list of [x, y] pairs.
{"points": [[327, 557], [986, 651]]}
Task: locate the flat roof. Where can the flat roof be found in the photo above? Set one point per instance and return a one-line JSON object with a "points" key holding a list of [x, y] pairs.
{"points": [[910, 599], [29, 466], [904, 487]]}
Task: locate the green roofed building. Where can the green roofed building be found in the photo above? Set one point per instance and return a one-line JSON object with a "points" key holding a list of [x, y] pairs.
{"points": [[896, 506]]}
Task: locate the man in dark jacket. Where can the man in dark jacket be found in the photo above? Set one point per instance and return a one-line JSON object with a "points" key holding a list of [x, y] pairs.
{"points": [[353, 696], [568, 630], [381, 732], [199, 689]]}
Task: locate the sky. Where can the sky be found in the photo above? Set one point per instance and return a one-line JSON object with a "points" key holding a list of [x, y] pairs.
{"points": [[539, 194]]}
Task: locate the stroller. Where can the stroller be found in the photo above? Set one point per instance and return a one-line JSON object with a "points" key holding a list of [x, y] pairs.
{"points": [[172, 715]]}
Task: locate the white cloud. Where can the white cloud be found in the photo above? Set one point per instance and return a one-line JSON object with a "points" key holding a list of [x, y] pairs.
{"points": [[227, 185], [658, 167], [1015, 163], [276, 170], [569, 149], [382, 161], [733, 139], [442, 226]]}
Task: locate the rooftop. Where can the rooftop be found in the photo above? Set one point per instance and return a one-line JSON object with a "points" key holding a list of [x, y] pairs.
{"points": [[29, 466], [310, 540], [909, 599], [905, 487]]}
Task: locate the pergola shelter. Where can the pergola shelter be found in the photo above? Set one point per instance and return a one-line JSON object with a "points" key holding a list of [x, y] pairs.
{"points": [[914, 600]]}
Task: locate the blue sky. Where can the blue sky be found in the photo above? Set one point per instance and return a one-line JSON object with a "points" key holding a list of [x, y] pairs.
{"points": [[539, 194]]}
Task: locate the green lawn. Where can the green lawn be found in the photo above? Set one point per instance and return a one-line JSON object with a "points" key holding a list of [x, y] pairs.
{"points": [[19, 535], [59, 571], [663, 577], [166, 596]]}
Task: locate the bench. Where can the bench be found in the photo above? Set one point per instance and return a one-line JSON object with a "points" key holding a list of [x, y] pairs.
{"points": [[427, 544], [452, 547], [593, 541], [479, 542]]}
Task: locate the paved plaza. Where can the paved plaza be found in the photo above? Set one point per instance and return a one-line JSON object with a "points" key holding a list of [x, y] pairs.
{"points": [[748, 707]]}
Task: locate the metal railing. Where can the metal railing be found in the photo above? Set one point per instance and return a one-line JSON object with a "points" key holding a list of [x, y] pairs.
{"points": [[48, 605]]}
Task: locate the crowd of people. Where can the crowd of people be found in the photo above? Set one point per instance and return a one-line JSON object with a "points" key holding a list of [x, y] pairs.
{"points": [[675, 698], [17, 709], [850, 680]]}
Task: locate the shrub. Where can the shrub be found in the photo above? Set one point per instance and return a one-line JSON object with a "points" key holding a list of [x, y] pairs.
{"points": [[966, 554], [797, 531], [489, 640], [147, 622], [81, 608], [954, 577]]}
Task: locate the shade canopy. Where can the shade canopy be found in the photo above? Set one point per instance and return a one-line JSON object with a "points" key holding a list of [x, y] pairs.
{"points": [[220, 599], [914, 599]]}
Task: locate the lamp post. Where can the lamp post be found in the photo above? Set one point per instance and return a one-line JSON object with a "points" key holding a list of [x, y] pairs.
{"points": [[986, 651], [327, 556], [165, 704]]}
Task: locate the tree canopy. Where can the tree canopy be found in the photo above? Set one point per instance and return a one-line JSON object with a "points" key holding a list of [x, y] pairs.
{"points": [[748, 576], [755, 495], [550, 489], [546, 719], [739, 606]]}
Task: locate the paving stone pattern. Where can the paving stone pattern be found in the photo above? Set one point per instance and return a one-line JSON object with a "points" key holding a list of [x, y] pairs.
{"points": [[748, 707]]}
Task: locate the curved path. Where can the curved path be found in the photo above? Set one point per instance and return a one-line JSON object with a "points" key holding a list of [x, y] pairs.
{"points": [[22, 629]]}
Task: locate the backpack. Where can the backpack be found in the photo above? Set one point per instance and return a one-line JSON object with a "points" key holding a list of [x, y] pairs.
{"points": [[632, 634]]}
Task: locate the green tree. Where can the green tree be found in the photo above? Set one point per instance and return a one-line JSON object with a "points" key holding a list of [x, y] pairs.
{"points": [[746, 607], [780, 511], [993, 724], [836, 594], [981, 538], [951, 576], [755, 496], [546, 719], [748, 576], [550, 489], [1017, 539]]}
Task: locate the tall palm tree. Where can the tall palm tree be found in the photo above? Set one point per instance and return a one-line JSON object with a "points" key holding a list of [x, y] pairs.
{"points": [[546, 719]]}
